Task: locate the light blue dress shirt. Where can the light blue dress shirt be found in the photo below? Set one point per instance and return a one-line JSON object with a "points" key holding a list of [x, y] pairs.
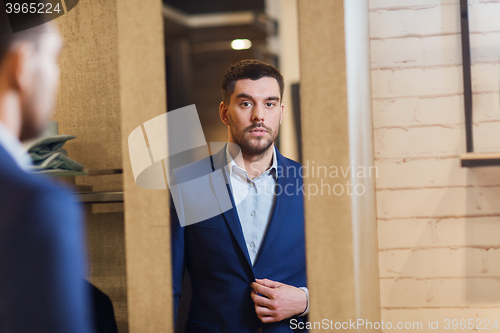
{"points": [[14, 148], [255, 199]]}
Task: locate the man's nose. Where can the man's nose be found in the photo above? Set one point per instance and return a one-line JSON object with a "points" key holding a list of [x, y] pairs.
{"points": [[257, 114]]}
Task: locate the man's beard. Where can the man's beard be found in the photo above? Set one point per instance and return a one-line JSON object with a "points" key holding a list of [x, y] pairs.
{"points": [[247, 147]]}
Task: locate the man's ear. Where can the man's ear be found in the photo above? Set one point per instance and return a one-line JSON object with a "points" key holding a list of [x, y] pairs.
{"points": [[224, 113], [20, 66]]}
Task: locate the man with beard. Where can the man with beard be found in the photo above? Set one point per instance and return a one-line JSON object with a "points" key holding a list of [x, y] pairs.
{"points": [[247, 265], [41, 238]]}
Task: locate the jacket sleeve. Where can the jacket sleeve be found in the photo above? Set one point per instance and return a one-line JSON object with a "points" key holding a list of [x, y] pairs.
{"points": [[42, 284]]}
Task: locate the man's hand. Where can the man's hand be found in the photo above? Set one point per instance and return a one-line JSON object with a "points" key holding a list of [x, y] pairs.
{"points": [[277, 301]]}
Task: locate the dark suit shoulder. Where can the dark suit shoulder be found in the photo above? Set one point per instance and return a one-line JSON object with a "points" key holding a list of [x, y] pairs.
{"points": [[26, 183], [23, 196], [292, 162], [41, 254]]}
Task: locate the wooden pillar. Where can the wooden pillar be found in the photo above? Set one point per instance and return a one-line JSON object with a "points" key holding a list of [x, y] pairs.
{"points": [[88, 107], [147, 232], [335, 257]]}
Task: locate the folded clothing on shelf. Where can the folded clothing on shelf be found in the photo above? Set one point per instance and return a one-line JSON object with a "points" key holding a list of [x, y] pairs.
{"points": [[48, 154]]}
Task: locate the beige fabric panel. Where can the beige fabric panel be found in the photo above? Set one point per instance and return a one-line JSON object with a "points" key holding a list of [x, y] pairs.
{"points": [[147, 236], [325, 141], [88, 106], [88, 103]]}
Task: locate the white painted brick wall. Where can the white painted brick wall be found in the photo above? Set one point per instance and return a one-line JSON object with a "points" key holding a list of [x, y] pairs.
{"points": [[440, 81], [474, 232], [485, 77], [434, 140], [432, 172], [487, 137], [418, 111], [439, 293], [454, 262], [384, 4], [435, 20], [438, 202], [417, 51], [397, 83], [428, 141], [438, 223], [433, 51], [415, 111], [439, 20]]}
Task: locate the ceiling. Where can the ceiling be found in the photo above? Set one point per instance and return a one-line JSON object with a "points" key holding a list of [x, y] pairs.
{"points": [[215, 6]]}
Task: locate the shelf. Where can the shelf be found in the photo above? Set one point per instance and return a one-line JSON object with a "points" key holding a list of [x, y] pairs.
{"points": [[100, 197], [104, 172], [64, 173], [92, 197], [472, 160]]}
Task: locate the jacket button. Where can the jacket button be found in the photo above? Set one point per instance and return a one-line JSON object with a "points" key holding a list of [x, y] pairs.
{"points": [[259, 330]]}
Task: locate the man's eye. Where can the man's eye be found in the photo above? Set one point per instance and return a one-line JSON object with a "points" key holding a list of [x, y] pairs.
{"points": [[245, 104], [270, 104]]}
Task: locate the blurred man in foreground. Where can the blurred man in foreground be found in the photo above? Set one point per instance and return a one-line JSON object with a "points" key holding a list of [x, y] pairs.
{"points": [[41, 239]]}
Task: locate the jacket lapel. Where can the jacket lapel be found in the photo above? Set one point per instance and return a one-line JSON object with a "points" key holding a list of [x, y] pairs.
{"points": [[280, 208], [219, 161]]}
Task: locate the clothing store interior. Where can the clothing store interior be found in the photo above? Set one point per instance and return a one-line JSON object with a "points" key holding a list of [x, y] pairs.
{"points": [[391, 107]]}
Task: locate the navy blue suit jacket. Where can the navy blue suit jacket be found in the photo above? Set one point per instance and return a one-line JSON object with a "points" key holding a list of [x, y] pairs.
{"points": [[216, 257], [41, 256]]}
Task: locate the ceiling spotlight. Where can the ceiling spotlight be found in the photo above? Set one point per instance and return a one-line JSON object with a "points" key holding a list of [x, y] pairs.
{"points": [[241, 44]]}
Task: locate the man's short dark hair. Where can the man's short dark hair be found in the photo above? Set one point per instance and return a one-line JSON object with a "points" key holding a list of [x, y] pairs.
{"points": [[8, 37], [249, 69]]}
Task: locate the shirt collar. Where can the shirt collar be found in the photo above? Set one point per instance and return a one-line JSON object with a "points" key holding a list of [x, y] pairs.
{"points": [[14, 148], [233, 167]]}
